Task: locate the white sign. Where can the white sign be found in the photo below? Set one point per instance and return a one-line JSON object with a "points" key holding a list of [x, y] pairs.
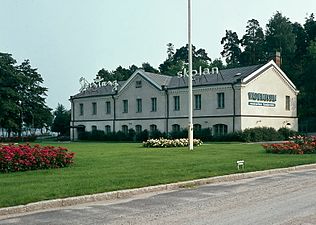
{"points": [[201, 72]]}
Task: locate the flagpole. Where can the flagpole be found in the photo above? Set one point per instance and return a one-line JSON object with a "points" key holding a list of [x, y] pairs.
{"points": [[190, 127]]}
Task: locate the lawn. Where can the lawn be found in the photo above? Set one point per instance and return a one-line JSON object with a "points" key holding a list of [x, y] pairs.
{"points": [[102, 167]]}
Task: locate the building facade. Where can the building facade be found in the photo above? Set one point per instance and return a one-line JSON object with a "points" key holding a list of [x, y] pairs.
{"points": [[226, 101]]}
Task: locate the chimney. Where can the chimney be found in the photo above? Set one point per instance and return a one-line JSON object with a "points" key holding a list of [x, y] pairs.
{"points": [[278, 60]]}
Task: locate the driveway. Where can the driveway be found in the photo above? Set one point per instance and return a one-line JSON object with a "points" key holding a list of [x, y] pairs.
{"points": [[282, 199]]}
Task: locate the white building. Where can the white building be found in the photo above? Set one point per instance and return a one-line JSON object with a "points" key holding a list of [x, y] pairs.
{"points": [[225, 101]]}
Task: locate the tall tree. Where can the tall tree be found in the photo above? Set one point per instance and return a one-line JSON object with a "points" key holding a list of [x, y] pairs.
{"points": [[61, 121], [280, 37], [253, 44], [232, 51], [148, 68], [310, 28], [10, 116]]}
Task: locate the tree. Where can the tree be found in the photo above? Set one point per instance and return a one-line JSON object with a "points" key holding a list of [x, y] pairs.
{"points": [[10, 116], [253, 43], [280, 37], [177, 61], [148, 68], [232, 49], [310, 28], [61, 123]]}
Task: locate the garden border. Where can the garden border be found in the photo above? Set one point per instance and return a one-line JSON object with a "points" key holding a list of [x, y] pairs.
{"points": [[70, 201]]}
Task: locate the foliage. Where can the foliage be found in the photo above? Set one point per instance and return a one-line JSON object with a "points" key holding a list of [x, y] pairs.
{"points": [[261, 134], [104, 167], [16, 139], [61, 121], [169, 143], [298, 145], [22, 98], [26, 157], [232, 49]]}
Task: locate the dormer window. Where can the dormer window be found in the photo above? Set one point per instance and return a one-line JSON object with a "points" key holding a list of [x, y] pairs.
{"points": [[138, 84]]}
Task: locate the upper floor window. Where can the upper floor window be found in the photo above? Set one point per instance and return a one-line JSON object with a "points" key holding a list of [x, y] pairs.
{"points": [[287, 103], [138, 84], [220, 100], [220, 129], [108, 107], [176, 100], [94, 108], [107, 129], [139, 105], [125, 106], [81, 109], [197, 102], [154, 104]]}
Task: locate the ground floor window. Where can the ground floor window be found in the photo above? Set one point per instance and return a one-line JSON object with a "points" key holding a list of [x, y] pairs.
{"points": [[93, 128], [175, 127], [197, 127], [107, 129], [138, 129], [153, 127], [125, 129], [220, 129]]}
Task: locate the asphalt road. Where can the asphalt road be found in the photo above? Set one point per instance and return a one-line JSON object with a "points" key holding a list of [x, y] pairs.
{"points": [[282, 199]]}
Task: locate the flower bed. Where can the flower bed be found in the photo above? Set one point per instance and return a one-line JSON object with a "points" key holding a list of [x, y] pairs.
{"points": [[167, 143], [297, 145], [26, 157]]}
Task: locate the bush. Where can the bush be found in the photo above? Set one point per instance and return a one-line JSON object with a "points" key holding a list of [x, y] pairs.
{"points": [[286, 133], [30, 138], [167, 143], [25, 157], [297, 145], [261, 134]]}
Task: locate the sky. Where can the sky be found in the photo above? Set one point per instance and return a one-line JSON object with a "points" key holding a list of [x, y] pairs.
{"points": [[68, 39]]}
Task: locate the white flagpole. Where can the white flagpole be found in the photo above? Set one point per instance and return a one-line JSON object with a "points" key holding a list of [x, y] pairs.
{"points": [[190, 127]]}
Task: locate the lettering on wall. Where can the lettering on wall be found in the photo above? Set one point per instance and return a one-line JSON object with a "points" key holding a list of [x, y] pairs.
{"points": [[261, 99]]}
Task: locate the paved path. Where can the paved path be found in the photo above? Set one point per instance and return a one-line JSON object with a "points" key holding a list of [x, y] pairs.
{"points": [[282, 199]]}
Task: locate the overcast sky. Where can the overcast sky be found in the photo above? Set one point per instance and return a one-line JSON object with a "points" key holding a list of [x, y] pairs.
{"points": [[67, 39]]}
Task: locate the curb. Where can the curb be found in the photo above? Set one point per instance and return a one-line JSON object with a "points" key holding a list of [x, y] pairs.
{"points": [[58, 203]]}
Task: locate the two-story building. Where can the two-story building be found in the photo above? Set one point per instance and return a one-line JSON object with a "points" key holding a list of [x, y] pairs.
{"points": [[223, 100]]}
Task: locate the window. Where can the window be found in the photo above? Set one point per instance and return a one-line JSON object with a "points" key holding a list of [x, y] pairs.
{"points": [[287, 103], [220, 129], [197, 127], [94, 128], [153, 127], [138, 84], [138, 129], [94, 108], [176, 100], [125, 129], [220, 100], [125, 106], [197, 102], [154, 104], [175, 127], [139, 105], [107, 129], [108, 107], [81, 109]]}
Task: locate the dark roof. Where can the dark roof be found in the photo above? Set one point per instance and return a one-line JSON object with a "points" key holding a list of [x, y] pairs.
{"points": [[99, 91], [227, 76]]}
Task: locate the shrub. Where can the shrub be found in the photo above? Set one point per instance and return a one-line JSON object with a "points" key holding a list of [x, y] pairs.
{"points": [[167, 143], [286, 133], [25, 157], [297, 145], [15, 139], [261, 134]]}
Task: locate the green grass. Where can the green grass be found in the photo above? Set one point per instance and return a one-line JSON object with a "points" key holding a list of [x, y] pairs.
{"points": [[101, 167]]}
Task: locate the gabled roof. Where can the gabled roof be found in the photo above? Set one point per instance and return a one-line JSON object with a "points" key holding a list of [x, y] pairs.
{"points": [[156, 80], [226, 76]]}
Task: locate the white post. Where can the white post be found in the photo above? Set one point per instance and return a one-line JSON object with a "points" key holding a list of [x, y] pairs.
{"points": [[190, 127]]}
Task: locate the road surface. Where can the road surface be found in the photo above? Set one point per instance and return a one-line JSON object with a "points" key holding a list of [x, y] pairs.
{"points": [[282, 199]]}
